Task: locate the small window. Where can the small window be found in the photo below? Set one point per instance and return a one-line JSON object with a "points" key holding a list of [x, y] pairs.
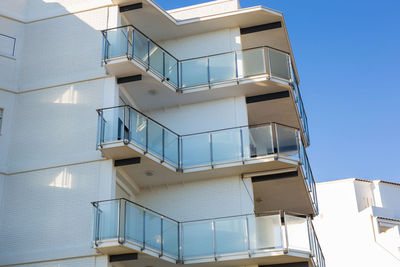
{"points": [[1, 118]]}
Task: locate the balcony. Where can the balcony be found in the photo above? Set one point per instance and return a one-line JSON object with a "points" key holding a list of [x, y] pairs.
{"points": [[122, 226], [124, 132], [254, 71]]}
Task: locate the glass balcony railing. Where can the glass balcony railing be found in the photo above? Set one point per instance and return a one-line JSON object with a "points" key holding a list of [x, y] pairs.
{"points": [[127, 41], [210, 239], [241, 145]]}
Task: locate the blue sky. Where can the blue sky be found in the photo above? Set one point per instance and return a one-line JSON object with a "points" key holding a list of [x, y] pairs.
{"points": [[347, 53]]}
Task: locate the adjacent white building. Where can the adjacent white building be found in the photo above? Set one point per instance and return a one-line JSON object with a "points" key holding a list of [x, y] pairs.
{"points": [[135, 136], [359, 222]]}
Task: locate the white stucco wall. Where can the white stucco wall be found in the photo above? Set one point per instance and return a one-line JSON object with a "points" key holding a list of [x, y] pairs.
{"points": [[364, 195], [74, 40], [56, 126], [98, 261], [200, 200], [347, 235], [47, 214], [7, 103], [215, 42], [205, 116], [390, 197], [32, 10]]}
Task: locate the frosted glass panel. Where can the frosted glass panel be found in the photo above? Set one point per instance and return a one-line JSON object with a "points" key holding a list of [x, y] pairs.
{"points": [[171, 69], [279, 64], [196, 150], [117, 44], [108, 219], [155, 137], [231, 235], [140, 47], [112, 123], [134, 223], [170, 236], [251, 62], [258, 141], [226, 146], [156, 58], [153, 231], [287, 141], [222, 67], [138, 126], [194, 72], [171, 147], [297, 232], [197, 239], [265, 232]]}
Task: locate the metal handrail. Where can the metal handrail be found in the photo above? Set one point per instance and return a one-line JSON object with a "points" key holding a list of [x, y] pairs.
{"points": [[136, 29], [187, 59], [197, 133], [314, 246]]}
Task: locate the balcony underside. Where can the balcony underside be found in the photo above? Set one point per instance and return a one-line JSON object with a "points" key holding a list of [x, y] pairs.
{"points": [[157, 94], [271, 191], [150, 258], [160, 26]]}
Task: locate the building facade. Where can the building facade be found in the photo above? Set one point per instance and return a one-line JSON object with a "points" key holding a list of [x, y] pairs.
{"points": [[360, 226], [135, 136]]}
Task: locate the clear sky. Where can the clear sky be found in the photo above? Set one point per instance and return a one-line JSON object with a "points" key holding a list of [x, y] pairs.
{"points": [[347, 54]]}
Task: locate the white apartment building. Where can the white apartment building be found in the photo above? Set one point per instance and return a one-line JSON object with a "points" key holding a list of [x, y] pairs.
{"points": [[359, 222], [135, 136]]}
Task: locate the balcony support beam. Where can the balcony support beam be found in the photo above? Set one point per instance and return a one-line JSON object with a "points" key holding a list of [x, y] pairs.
{"points": [[274, 176], [130, 7], [123, 257], [266, 97], [124, 162], [129, 79], [262, 27]]}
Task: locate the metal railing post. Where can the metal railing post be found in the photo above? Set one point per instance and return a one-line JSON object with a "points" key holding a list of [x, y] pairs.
{"points": [[208, 73], [162, 237], [163, 144], [211, 150], [133, 42], [102, 126], [214, 239], [248, 236], [144, 230], [180, 153], [286, 231], [148, 54], [242, 147], [180, 242], [179, 74], [119, 222], [147, 135], [163, 54], [96, 232], [236, 68], [127, 42]]}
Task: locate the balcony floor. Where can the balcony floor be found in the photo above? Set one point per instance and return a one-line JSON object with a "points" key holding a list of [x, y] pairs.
{"points": [[148, 258]]}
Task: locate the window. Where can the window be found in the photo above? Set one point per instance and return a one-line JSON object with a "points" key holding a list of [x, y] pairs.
{"points": [[1, 117], [7, 45]]}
